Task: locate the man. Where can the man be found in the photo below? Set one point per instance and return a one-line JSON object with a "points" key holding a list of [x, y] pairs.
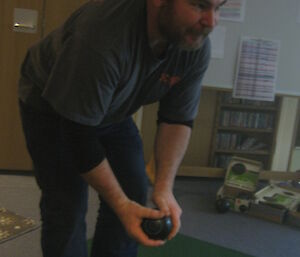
{"points": [[78, 88]]}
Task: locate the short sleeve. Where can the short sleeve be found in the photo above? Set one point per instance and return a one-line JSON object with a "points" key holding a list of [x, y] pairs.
{"points": [[182, 101], [82, 82]]}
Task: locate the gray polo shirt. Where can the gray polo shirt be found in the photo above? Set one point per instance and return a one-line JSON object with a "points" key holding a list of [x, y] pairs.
{"points": [[98, 68]]}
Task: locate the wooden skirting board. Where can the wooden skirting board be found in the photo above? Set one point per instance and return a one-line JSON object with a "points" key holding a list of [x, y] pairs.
{"points": [[208, 172]]}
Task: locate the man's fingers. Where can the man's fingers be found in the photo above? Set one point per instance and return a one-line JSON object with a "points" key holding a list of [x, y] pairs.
{"points": [[175, 229], [151, 213], [163, 207], [176, 223], [146, 241]]}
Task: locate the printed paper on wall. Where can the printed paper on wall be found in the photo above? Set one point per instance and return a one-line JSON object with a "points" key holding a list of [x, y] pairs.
{"points": [[233, 10], [257, 69]]}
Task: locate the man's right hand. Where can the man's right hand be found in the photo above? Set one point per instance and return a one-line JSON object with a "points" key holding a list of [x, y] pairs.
{"points": [[131, 215]]}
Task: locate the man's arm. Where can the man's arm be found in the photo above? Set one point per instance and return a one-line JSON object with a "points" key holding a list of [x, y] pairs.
{"points": [[89, 155], [170, 145], [102, 179]]}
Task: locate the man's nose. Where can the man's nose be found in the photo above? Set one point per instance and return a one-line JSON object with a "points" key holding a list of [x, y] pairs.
{"points": [[209, 18]]}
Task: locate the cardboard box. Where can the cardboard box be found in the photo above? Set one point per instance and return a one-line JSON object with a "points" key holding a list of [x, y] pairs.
{"points": [[277, 202], [236, 204], [278, 197], [243, 174], [293, 218], [267, 212]]}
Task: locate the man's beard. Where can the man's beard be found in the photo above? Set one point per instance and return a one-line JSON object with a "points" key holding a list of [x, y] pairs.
{"points": [[198, 39], [175, 35]]}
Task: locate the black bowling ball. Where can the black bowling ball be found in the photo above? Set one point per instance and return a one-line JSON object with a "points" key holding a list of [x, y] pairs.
{"points": [[222, 205], [157, 229]]}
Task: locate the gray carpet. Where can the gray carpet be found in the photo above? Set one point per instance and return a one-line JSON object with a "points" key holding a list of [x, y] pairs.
{"points": [[21, 195], [236, 231], [200, 220]]}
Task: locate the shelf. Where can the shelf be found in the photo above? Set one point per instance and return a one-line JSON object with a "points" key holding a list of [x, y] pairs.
{"points": [[248, 107], [259, 152], [238, 122], [239, 129]]}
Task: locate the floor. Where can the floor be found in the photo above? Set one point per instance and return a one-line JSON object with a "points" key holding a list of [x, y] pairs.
{"points": [[200, 220]]}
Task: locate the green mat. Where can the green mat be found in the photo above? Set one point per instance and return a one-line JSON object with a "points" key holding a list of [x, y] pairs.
{"points": [[184, 246]]}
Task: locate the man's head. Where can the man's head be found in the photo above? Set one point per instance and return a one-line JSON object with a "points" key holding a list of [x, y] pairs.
{"points": [[187, 23]]}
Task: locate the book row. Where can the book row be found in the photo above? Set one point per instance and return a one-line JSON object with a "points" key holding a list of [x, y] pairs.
{"points": [[222, 160], [228, 99], [242, 119], [238, 141]]}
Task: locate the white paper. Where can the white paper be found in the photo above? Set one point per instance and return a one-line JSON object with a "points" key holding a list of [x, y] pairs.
{"points": [[233, 10], [298, 18], [257, 69], [217, 38]]}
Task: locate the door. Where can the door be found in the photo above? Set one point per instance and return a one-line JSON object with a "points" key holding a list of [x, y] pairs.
{"points": [[13, 47]]}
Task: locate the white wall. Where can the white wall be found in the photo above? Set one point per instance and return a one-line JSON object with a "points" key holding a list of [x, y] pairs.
{"points": [[284, 138], [295, 160], [269, 19], [138, 118]]}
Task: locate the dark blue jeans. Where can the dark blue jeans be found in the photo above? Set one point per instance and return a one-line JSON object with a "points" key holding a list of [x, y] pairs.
{"points": [[64, 195]]}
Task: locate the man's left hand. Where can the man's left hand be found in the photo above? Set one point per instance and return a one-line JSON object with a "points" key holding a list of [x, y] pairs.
{"points": [[166, 203]]}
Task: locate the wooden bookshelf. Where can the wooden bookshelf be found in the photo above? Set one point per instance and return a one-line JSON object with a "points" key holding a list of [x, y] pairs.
{"points": [[269, 130], [248, 152], [244, 128], [248, 107]]}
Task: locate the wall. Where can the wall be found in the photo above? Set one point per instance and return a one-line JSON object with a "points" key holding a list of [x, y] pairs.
{"points": [[270, 19], [284, 139], [13, 46], [13, 154], [295, 160], [198, 151]]}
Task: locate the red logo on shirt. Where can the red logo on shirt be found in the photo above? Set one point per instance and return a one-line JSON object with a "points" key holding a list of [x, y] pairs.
{"points": [[170, 80]]}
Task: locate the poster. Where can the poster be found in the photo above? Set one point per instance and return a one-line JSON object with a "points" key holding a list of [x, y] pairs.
{"points": [[257, 69], [233, 10]]}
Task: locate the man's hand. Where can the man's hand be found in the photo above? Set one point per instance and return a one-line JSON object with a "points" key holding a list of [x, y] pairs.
{"points": [[129, 212], [131, 215], [170, 145], [166, 202]]}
